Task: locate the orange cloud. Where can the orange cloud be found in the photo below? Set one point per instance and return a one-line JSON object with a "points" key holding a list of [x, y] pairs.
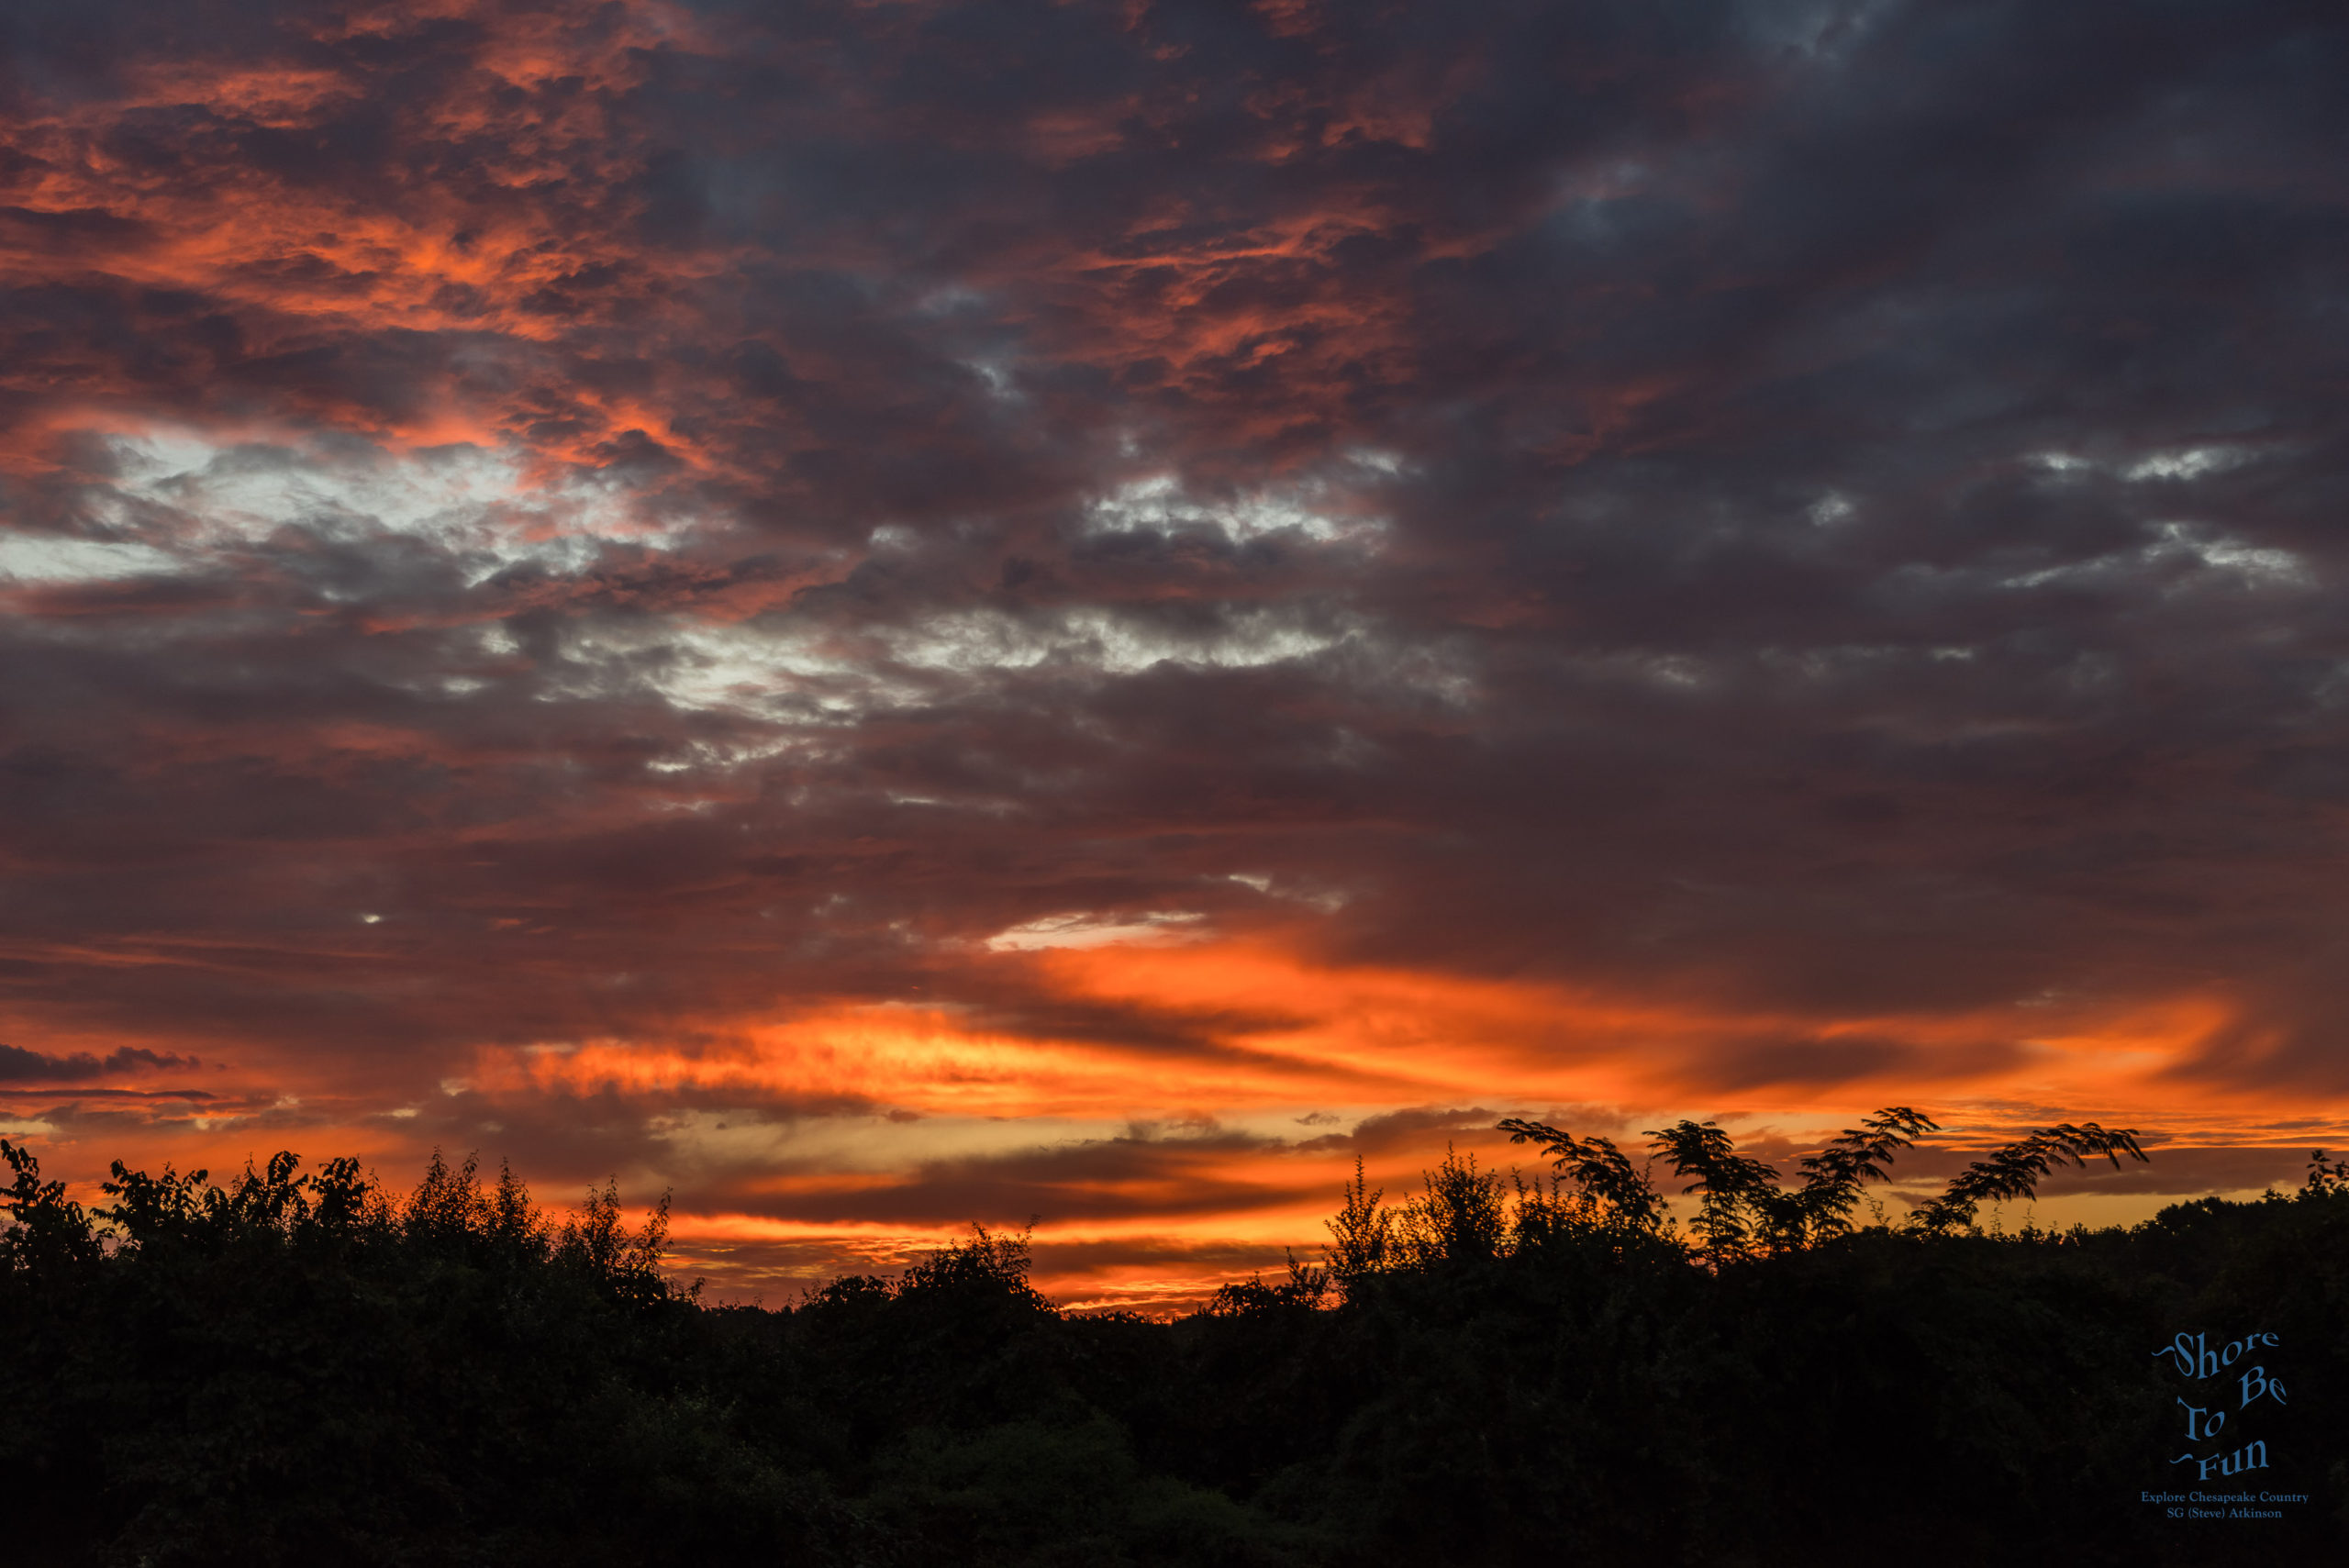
{"points": [[683, 603]]}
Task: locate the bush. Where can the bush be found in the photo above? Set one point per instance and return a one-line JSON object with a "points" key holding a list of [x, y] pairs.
{"points": [[308, 1368]]}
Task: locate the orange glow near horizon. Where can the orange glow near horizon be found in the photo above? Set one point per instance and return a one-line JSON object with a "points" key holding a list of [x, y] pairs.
{"points": [[1312, 1044], [1375, 1037]]}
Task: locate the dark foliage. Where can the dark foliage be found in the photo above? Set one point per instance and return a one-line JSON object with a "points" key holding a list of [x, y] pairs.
{"points": [[297, 1368]]}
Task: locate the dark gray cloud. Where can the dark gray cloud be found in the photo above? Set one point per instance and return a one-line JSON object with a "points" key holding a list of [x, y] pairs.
{"points": [[20, 1066]]}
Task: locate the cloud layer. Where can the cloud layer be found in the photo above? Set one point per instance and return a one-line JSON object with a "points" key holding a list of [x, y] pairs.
{"points": [[841, 607]]}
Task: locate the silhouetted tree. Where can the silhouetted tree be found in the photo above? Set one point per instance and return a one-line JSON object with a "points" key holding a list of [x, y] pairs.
{"points": [[1620, 1195], [1735, 1194], [1460, 1216], [47, 1231], [289, 1368], [2016, 1171], [1822, 1205], [1361, 1234]]}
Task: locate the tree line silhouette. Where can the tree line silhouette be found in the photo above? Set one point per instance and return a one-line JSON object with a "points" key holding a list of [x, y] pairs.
{"points": [[1497, 1370]]}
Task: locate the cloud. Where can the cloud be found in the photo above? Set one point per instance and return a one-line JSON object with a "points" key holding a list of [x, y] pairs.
{"points": [[18, 1066], [656, 562], [1085, 930]]}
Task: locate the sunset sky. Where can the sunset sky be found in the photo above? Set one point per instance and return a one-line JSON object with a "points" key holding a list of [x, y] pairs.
{"points": [[887, 614]]}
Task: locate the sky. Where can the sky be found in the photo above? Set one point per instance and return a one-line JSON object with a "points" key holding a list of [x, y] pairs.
{"points": [[888, 615]]}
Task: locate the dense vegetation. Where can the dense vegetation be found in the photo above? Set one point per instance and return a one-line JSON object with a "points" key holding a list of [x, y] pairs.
{"points": [[305, 1369]]}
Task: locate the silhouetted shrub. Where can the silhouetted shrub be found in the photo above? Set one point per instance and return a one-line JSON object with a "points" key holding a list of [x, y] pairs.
{"points": [[291, 1368]]}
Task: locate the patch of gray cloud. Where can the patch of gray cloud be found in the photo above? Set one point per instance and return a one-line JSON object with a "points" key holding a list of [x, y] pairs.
{"points": [[18, 1066]]}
